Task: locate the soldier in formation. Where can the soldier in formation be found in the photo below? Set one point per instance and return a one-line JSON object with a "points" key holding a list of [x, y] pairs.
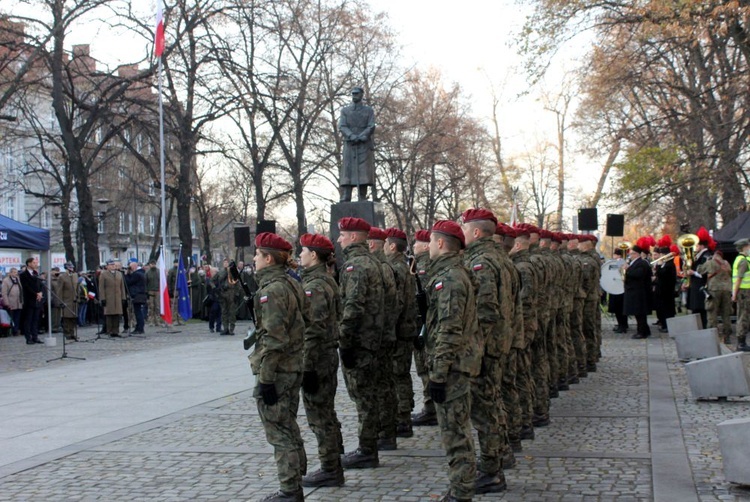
{"points": [[499, 320]]}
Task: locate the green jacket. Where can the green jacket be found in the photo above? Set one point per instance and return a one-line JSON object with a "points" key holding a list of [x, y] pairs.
{"points": [[482, 259], [152, 280], [321, 331], [280, 312], [392, 300], [361, 291], [406, 324], [529, 294], [454, 342]]}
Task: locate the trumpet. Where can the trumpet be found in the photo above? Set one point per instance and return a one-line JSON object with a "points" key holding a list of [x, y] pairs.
{"points": [[662, 259]]}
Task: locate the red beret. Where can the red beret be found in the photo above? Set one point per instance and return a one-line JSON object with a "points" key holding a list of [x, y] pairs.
{"points": [[573, 237], [451, 229], [562, 236], [522, 230], [422, 236], [395, 233], [271, 241], [316, 241], [505, 230], [377, 234], [556, 237], [593, 238], [351, 224], [533, 229], [544, 233], [477, 214]]}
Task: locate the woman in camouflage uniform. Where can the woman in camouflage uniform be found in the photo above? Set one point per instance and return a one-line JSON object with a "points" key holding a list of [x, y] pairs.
{"points": [[321, 360], [277, 361]]}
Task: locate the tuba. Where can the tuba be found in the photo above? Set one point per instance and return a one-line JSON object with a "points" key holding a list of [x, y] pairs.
{"points": [[687, 243]]}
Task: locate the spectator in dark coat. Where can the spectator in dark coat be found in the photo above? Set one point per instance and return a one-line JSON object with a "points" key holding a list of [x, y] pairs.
{"points": [[638, 291]]}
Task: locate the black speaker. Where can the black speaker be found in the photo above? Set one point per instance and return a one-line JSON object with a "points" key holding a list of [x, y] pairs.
{"points": [[241, 237], [265, 226], [615, 225], [587, 219]]}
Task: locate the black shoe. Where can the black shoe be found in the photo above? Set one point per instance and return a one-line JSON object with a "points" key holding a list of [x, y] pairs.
{"points": [[423, 418], [282, 496], [516, 445], [656, 323], [639, 336], [37, 340], [582, 372], [591, 368], [387, 444], [527, 432], [359, 459], [211, 330], [539, 421], [574, 380], [554, 392], [663, 330], [324, 478], [30, 342], [490, 483], [563, 385], [115, 335], [740, 348], [404, 430], [617, 330], [225, 333], [508, 461]]}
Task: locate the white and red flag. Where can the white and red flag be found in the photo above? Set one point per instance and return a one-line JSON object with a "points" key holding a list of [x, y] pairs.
{"points": [[164, 307], [159, 36]]}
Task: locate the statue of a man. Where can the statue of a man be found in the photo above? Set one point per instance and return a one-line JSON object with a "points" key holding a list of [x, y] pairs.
{"points": [[357, 124]]}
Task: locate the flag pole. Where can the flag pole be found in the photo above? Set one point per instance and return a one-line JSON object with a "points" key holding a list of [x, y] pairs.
{"points": [[161, 167]]}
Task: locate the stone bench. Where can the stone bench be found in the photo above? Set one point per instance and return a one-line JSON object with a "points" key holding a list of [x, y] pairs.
{"points": [[734, 441], [720, 376], [684, 324], [698, 344]]}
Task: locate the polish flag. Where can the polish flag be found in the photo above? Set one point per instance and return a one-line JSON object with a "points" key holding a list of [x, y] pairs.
{"points": [[164, 308], [159, 38]]}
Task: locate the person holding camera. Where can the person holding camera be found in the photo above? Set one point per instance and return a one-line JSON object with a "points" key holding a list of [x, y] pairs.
{"points": [[136, 282], [227, 282]]}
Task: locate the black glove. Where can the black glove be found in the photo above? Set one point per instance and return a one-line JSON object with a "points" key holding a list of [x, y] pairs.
{"points": [[104, 303], [418, 342], [348, 358], [268, 393], [437, 391], [310, 382]]}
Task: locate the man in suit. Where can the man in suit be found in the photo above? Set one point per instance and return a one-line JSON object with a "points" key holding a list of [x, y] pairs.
{"points": [[638, 289], [32, 288]]}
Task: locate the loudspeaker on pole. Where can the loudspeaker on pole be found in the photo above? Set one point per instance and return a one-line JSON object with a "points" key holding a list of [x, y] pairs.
{"points": [[241, 237], [587, 219], [265, 226], [615, 225]]}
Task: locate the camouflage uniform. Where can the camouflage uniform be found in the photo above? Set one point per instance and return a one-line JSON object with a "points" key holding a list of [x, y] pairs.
{"points": [[576, 317], [591, 272], [514, 339], [741, 269], [555, 345], [566, 352], [321, 358], [154, 303], [522, 348], [420, 356], [720, 287], [173, 296], [406, 326], [539, 360], [386, 389], [487, 414], [280, 307], [360, 330], [454, 357], [227, 300]]}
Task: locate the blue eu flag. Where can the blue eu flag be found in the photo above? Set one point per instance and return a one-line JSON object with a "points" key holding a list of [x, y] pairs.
{"points": [[184, 306]]}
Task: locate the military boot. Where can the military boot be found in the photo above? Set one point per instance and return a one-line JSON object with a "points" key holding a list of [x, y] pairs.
{"points": [[490, 483], [741, 345], [554, 392], [582, 371], [449, 497], [563, 385], [540, 420], [360, 459], [404, 430], [591, 367], [508, 461], [324, 478], [515, 445], [424, 417], [527, 432], [282, 496], [387, 444]]}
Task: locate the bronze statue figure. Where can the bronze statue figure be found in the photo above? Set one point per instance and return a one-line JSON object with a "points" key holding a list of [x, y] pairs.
{"points": [[357, 124]]}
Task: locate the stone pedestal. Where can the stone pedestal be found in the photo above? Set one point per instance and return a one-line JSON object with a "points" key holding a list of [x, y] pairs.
{"points": [[720, 376], [371, 212], [734, 440], [683, 324], [698, 344]]}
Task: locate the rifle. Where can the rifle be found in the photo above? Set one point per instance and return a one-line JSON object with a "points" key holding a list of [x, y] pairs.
{"points": [[419, 341], [249, 300]]}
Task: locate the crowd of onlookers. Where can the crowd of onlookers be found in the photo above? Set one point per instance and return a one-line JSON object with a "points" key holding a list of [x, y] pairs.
{"points": [[25, 309]]}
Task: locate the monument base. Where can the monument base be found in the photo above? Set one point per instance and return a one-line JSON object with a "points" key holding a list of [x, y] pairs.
{"points": [[371, 212]]}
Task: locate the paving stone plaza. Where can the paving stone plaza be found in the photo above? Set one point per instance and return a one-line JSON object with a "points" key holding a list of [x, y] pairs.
{"points": [[170, 417]]}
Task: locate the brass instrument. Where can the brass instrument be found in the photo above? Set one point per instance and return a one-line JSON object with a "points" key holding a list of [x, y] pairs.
{"points": [[663, 259], [687, 243], [625, 246]]}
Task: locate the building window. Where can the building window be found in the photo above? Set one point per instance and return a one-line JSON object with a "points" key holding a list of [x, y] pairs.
{"points": [[102, 257], [100, 224], [12, 208], [151, 224], [46, 219], [192, 227], [122, 223], [141, 224], [151, 189]]}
